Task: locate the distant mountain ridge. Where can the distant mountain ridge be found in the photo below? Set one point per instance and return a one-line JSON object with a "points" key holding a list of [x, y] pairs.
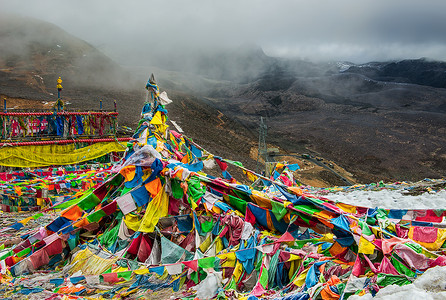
{"points": [[416, 71]]}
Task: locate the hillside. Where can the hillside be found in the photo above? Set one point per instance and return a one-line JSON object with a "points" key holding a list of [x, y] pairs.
{"points": [[376, 129], [376, 121], [35, 53], [382, 124]]}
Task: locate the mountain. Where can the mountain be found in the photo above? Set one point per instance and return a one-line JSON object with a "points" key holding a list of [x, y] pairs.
{"points": [[380, 120], [415, 71], [376, 124], [35, 53]]}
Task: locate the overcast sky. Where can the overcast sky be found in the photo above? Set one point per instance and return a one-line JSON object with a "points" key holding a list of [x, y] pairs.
{"points": [[352, 30]]}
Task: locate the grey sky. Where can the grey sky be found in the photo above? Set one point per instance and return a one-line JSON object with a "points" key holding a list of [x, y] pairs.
{"points": [[353, 30]]}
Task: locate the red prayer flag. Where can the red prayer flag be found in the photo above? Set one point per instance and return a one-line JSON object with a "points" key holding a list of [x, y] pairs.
{"points": [[193, 264]]}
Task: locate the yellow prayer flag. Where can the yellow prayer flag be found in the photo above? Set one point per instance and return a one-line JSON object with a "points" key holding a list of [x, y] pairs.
{"points": [[132, 221], [347, 207], [157, 119], [365, 246], [141, 271], [300, 280], [24, 221], [238, 271], [156, 209], [205, 245], [294, 257]]}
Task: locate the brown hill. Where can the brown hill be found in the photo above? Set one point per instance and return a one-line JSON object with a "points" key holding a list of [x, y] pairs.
{"points": [[35, 53]]}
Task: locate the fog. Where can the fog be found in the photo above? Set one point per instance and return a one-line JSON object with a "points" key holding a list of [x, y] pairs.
{"points": [[139, 32]]}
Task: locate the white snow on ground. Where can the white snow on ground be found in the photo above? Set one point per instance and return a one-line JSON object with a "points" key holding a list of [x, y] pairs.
{"points": [[391, 199], [429, 286]]}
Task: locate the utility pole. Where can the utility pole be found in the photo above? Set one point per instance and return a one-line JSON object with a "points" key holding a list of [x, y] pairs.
{"points": [[262, 145]]}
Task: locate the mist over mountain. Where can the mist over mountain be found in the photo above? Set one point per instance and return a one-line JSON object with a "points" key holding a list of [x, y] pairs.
{"points": [[34, 53], [416, 71], [381, 120], [380, 128]]}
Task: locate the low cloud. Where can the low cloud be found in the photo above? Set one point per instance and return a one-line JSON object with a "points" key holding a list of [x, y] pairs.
{"points": [[133, 32]]}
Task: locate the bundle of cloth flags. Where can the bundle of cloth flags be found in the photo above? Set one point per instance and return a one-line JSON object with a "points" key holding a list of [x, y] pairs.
{"points": [[161, 222], [62, 124], [33, 190]]}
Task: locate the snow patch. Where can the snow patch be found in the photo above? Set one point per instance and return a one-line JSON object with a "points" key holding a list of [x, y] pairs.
{"points": [[343, 66], [429, 286], [391, 199]]}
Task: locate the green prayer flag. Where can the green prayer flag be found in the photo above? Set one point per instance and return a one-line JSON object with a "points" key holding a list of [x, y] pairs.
{"points": [[133, 265], [381, 214], [278, 210], [70, 203], [172, 253], [72, 242], [207, 262], [9, 253], [36, 216], [259, 262], [388, 279], [401, 268], [242, 195], [125, 190], [365, 229], [194, 277], [233, 162], [340, 287], [264, 278], [231, 285], [177, 190], [273, 267], [110, 236], [116, 180], [90, 201], [304, 217], [195, 189], [415, 247], [24, 252], [96, 216], [238, 203], [207, 226], [126, 275], [308, 209], [315, 200]]}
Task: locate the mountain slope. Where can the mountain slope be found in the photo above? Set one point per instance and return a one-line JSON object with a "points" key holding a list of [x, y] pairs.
{"points": [[382, 120], [375, 129], [416, 71], [33, 54]]}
